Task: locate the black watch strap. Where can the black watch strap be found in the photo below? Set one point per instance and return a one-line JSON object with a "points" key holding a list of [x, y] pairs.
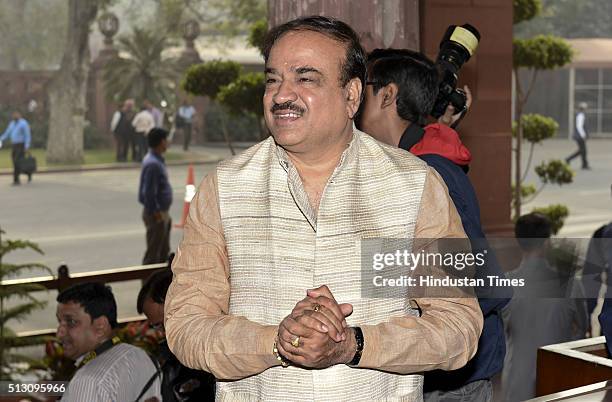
{"points": [[359, 348]]}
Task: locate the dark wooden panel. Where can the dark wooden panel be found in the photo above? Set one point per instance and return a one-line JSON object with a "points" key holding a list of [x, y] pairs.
{"points": [[558, 372], [487, 128], [598, 392]]}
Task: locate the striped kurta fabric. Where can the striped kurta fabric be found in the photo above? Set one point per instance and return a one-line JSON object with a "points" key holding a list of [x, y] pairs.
{"points": [[117, 375], [278, 247]]}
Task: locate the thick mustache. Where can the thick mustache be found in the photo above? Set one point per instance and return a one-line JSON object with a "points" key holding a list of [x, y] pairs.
{"points": [[286, 106]]}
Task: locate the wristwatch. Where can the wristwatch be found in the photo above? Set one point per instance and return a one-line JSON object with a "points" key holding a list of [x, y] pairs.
{"points": [[358, 348]]}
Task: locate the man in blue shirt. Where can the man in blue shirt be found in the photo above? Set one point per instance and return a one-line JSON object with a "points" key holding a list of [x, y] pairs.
{"points": [[599, 260], [155, 194], [18, 132]]}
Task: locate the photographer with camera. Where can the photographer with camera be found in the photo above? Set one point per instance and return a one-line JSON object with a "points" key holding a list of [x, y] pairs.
{"points": [[179, 383], [402, 90]]}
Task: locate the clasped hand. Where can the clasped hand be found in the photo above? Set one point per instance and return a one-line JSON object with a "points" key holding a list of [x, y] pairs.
{"points": [[324, 337]]}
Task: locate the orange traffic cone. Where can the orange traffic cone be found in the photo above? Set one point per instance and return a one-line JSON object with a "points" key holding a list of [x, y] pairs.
{"points": [[189, 194]]}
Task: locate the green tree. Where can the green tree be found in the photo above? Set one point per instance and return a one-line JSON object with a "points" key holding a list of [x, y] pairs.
{"points": [[556, 213], [542, 52], [18, 312], [244, 96], [537, 128], [170, 13], [229, 17], [207, 79], [569, 19], [525, 10], [257, 34], [221, 19], [68, 88], [33, 34], [142, 71]]}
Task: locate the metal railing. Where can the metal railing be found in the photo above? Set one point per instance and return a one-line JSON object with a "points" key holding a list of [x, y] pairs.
{"points": [[51, 331], [64, 280]]}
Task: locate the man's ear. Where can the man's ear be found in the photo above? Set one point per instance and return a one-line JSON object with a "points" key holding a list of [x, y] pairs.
{"points": [[101, 326], [353, 96], [389, 93]]}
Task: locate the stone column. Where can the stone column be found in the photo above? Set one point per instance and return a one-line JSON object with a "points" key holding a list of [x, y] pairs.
{"points": [[100, 109], [190, 56], [379, 23]]}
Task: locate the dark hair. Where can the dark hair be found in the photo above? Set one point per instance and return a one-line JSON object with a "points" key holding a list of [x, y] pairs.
{"points": [[155, 136], [354, 65], [155, 287], [532, 230], [415, 76], [96, 299]]}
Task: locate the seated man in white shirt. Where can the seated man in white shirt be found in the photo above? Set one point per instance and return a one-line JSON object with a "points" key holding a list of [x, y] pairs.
{"points": [[108, 370]]}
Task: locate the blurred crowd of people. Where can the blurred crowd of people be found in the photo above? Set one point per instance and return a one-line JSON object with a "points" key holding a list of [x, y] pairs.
{"points": [[131, 126]]}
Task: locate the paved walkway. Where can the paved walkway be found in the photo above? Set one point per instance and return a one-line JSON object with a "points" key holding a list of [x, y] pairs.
{"points": [[197, 154], [589, 197]]}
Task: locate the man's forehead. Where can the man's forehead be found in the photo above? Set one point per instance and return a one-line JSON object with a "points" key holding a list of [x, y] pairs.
{"points": [[298, 49], [70, 308], [308, 36]]}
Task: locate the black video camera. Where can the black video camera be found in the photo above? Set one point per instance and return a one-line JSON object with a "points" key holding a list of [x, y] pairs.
{"points": [[457, 46]]}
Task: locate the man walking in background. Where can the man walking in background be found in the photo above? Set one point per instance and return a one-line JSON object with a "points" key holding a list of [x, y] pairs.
{"points": [[155, 194], [580, 136], [18, 131], [184, 121]]}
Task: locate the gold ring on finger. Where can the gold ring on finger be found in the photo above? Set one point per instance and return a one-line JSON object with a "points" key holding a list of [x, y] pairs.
{"points": [[296, 342], [317, 307]]}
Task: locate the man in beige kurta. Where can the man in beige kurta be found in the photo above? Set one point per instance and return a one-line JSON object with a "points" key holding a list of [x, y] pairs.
{"points": [[289, 215]]}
